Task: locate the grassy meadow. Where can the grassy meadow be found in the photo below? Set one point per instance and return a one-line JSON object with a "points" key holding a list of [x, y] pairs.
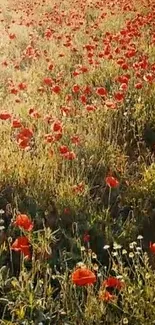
{"points": [[77, 162]]}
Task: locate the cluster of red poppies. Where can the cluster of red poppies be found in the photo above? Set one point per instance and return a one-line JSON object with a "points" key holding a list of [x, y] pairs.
{"points": [[21, 244], [83, 276], [136, 71]]}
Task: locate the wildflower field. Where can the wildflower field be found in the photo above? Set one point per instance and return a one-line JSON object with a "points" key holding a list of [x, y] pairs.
{"points": [[77, 162]]}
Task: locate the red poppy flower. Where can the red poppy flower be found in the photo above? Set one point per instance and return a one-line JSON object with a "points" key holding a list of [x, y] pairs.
{"points": [[23, 138], [22, 86], [31, 111], [110, 104], [56, 89], [111, 181], [23, 221], [57, 126], [152, 247], [70, 155], [83, 69], [16, 124], [83, 99], [120, 61], [114, 283], [106, 296], [14, 91], [12, 36], [101, 91], [48, 33], [48, 81], [139, 85], [76, 88], [90, 108], [76, 73], [87, 90], [124, 66], [24, 143], [123, 79], [21, 244], [86, 237], [25, 133], [5, 116], [124, 86], [83, 276], [63, 150], [58, 136], [49, 138], [119, 96], [75, 139], [50, 66], [149, 77]]}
